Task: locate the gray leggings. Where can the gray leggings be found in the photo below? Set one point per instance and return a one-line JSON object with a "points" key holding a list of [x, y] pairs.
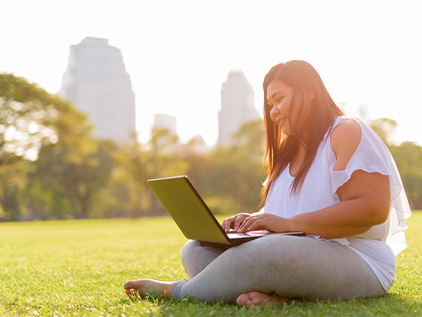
{"points": [[292, 267]]}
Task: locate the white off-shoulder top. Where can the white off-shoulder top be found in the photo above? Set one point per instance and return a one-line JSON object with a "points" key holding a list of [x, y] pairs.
{"points": [[377, 246]]}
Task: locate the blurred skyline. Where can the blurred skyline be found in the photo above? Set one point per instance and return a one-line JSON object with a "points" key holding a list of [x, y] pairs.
{"points": [[178, 53]]}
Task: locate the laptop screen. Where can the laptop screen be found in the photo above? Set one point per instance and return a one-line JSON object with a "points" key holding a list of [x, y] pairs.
{"points": [[188, 209]]}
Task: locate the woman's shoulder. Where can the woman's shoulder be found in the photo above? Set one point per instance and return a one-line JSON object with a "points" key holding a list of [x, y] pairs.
{"points": [[345, 139], [346, 134]]}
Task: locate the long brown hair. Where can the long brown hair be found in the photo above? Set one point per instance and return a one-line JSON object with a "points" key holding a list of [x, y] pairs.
{"points": [[309, 128]]}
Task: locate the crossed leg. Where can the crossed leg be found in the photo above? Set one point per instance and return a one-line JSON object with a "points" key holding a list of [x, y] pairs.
{"points": [[287, 266], [155, 288], [197, 257]]}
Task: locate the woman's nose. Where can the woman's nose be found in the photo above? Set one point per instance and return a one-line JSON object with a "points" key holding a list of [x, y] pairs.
{"points": [[275, 109]]}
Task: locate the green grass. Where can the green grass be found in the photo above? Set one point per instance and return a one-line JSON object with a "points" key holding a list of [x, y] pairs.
{"points": [[78, 267]]}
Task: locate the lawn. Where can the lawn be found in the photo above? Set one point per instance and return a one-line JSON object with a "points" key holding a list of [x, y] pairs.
{"points": [[78, 267]]}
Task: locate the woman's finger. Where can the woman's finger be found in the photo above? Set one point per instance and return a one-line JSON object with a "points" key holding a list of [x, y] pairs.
{"points": [[227, 224], [247, 223], [223, 224], [238, 221], [254, 223]]}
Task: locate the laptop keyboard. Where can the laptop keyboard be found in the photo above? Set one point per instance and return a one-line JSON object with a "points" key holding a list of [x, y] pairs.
{"points": [[235, 234], [247, 234]]}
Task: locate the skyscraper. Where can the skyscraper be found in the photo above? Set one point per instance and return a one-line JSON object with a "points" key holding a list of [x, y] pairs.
{"points": [[237, 105], [97, 83], [164, 121]]}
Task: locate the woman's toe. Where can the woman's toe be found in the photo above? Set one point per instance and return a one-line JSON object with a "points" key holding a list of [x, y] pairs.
{"points": [[242, 299]]}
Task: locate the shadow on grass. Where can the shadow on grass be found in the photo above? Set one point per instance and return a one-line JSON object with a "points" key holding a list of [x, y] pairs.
{"points": [[387, 305]]}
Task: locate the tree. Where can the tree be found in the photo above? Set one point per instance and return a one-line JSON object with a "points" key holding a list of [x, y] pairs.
{"points": [[12, 185], [30, 119], [136, 162], [129, 179], [237, 172], [163, 159], [251, 139], [77, 172], [385, 129], [408, 157]]}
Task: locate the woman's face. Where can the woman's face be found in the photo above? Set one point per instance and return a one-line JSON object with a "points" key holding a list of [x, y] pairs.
{"points": [[279, 98]]}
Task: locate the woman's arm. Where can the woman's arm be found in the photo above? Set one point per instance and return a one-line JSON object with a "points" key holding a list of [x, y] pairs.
{"points": [[364, 202], [364, 199]]}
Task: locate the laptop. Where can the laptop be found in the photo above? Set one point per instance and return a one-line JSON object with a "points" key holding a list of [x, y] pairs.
{"points": [[192, 215]]}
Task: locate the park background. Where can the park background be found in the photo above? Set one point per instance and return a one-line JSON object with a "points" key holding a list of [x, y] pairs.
{"points": [[178, 53], [76, 175]]}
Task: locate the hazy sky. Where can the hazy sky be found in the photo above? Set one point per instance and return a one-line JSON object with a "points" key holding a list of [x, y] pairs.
{"points": [[178, 53]]}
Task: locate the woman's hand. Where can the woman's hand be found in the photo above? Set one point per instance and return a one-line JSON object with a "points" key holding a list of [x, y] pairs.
{"points": [[234, 222], [265, 221]]}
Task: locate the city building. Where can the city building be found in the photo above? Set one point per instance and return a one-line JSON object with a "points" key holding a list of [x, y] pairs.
{"points": [[164, 121], [97, 83], [237, 106]]}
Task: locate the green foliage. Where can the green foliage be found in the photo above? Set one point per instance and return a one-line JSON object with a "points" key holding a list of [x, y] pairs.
{"points": [[128, 186], [230, 177], [52, 168], [12, 184], [76, 173], [78, 267], [227, 177], [30, 120], [136, 163], [163, 158], [385, 129], [223, 204], [408, 157]]}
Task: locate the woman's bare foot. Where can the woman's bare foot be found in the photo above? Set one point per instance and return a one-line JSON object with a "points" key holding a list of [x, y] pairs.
{"points": [[151, 287], [255, 299]]}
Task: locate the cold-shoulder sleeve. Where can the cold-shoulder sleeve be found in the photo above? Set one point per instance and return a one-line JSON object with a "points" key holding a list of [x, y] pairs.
{"points": [[373, 156]]}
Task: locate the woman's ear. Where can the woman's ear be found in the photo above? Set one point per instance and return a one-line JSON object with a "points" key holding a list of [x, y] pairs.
{"points": [[309, 90]]}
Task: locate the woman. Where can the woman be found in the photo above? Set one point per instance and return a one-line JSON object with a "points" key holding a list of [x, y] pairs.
{"points": [[329, 176]]}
